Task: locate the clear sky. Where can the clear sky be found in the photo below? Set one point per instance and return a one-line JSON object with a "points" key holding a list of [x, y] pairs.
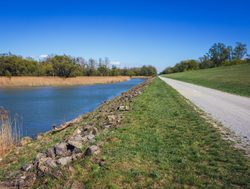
{"points": [[133, 32]]}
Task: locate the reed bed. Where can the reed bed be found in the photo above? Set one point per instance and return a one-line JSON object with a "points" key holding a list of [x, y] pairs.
{"points": [[26, 81], [10, 131]]}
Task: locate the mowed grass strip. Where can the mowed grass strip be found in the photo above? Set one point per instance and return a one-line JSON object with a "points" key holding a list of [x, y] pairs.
{"points": [[163, 143], [233, 79]]}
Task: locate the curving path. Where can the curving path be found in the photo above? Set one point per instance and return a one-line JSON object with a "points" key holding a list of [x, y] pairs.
{"points": [[231, 110]]}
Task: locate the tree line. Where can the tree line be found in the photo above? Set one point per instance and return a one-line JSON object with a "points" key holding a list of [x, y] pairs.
{"points": [[218, 55], [66, 66]]}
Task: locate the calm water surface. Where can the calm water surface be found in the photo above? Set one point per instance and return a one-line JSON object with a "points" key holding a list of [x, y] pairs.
{"points": [[42, 107]]}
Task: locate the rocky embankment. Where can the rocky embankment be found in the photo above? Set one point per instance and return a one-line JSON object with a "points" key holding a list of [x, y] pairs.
{"points": [[80, 144]]}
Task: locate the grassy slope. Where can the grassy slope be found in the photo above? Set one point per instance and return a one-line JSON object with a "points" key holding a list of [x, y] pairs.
{"points": [[233, 79], [163, 143]]}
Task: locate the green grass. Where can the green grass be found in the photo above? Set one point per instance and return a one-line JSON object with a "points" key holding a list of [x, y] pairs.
{"points": [[162, 143], [233, 79]]}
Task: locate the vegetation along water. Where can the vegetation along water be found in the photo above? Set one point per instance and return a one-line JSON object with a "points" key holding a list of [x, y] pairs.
{"points": [[42, 107]]}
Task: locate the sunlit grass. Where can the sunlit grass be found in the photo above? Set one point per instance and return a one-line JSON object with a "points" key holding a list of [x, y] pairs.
{"points": [[164, 143], [233, 79]]}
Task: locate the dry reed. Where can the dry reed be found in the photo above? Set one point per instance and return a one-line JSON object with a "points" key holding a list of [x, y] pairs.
{"points": [[10, 131], [24, 81]]}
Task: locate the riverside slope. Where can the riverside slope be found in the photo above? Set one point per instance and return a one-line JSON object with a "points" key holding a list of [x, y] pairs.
{"points": [[231, 110]]}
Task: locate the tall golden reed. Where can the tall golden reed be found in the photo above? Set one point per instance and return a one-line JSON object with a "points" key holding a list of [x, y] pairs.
{"points": [[10, 131]]}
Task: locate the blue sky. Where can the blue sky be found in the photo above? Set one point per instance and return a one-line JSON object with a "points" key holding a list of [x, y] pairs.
{"points": [[135, 33]]}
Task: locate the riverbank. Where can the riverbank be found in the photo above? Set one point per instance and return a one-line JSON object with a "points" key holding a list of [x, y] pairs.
{"points": [[20, 166], [25, 81], [55, 105], [149, 137], [164, 142]]}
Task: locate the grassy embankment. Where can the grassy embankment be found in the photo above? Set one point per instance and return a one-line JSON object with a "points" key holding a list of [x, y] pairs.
{"points": [[233, 79], [58, 81], [163, 143]]}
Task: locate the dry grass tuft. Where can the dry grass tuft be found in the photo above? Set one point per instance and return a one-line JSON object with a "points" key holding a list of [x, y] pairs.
{"points": [[10, 132]]}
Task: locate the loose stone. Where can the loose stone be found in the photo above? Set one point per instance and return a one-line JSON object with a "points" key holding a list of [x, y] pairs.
{"points": [[64, 160], [92, 150]]}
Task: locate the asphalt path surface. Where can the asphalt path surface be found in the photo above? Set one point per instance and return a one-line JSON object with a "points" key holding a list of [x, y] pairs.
{"points": [[232, 111]]}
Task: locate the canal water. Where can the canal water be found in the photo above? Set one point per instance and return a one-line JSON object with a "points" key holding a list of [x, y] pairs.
{"points": [[38, 108]]}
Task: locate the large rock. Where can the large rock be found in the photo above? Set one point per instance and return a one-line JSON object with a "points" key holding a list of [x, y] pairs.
{"points": [[42, 166], [50, 163], [77, 156], [64, 160], [27, 167], [92, 150], [77, 141], [61, 149], [77, 131], [40, 156], [94, 131], [51, 153], [107, 126], [90, 137], [123, 108], [111, 118], [87, 130], [25, 181]]}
